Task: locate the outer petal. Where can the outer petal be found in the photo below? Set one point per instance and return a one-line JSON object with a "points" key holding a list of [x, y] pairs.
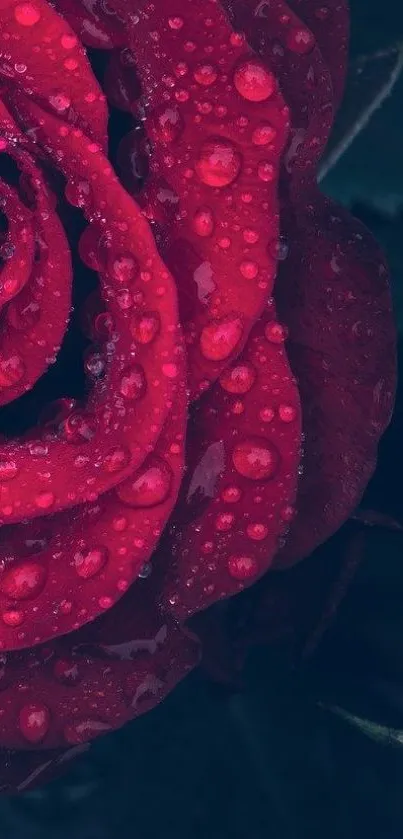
{"points": [[334, 295], [290, 50], [330, 23]]}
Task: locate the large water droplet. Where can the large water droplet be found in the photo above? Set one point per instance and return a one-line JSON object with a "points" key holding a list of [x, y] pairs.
{"points": [[238, 379], [34, 722], [133, 382], [24, 581], [218, 162], [256, 458], [242, 567], [26, 14], [149, 488], [165, 124], [220, 338], [253, 81], [145, 327], [90, 562]]}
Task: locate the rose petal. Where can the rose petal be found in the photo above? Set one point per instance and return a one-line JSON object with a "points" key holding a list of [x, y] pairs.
{"points": [[218, 126], [334, 295], [244, 452]]}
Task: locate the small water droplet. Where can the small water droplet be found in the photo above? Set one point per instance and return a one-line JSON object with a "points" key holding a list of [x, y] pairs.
{"points": [[34, 722], [89, 562]]}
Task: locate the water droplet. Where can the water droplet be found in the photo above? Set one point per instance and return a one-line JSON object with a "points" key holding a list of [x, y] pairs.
{"points": [[257, 531], [175, 23], [256, 459], [253, 81], [116, 460], [165, 124], [60, 102], [94, 364], [218, 163], [26, 14], [275, 333], [300, 40], [89, 562], [287, 413], [8, 470], [242, 567], [44, 500], [149, 488], [249, 269], [263, 135], [13, 617], [123, 268], [266, 171], [66, 671], [224, 522], [238, 379], [205, 74], [24, 581], [145, 327], [231, 494], [220, 338], [12, 370], [79, 428], [34, 722], [133, 382], [203, 221]]}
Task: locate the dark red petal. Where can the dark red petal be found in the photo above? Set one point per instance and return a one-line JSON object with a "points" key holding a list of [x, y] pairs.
{"points": [[92, 553], [289, 48], [244, 453], [218, 126], [92, 681], [334, 295], [330, 23], [57, 72], [75, 466], [93, 25]]}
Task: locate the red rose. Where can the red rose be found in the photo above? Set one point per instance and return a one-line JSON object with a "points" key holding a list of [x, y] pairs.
{"points": [[227, 300]]}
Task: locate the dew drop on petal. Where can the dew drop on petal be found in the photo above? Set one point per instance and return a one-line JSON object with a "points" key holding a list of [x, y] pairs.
{"points": [[149, 488], [218, 163], [238, 379], [133, 382], [256, 458], [203, 222], [26, 14], [34, 722], [220, 338], [242, 567], [90, 562], [253, 81], [145, 327], [24, 581]]}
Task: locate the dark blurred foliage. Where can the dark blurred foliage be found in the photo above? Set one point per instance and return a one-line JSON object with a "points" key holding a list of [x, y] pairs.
{"points": [[308, 752]]}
